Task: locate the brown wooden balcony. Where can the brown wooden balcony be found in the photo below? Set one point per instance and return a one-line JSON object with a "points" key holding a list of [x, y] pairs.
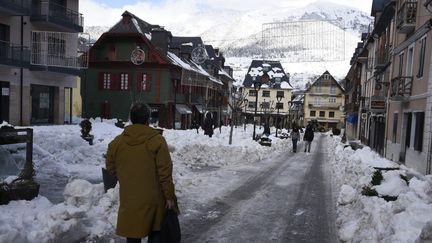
{"points": [[50, 14], [406, 16], [401, 88], [15, 7], [383, 58]]}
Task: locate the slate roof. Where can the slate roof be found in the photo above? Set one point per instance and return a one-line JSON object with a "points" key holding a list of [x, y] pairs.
{"points": [[321, 77], [177, 41], [273, 69], [378, 6], [136, 25]]}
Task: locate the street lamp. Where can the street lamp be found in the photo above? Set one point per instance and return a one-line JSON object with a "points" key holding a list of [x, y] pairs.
{"points": [[175, 101], [176, 78], [257, 87], [245, 102], [279, 98]]}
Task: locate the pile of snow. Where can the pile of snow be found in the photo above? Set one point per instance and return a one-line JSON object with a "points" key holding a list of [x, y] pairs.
{"points": [[372, 219], [67, 167]]}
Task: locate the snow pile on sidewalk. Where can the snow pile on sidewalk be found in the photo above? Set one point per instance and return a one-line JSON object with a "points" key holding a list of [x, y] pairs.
{"points": [[203, 169], [363, 218]]}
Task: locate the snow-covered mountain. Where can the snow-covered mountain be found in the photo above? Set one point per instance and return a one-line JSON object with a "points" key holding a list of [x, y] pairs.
{"points": [[238, 34]]}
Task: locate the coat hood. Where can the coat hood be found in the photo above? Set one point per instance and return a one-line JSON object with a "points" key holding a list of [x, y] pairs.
{"points": [[138, 134]]}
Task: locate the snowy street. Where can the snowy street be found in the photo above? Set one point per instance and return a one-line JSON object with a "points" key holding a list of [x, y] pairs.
{"points": [[287, 202], [241, 192]]}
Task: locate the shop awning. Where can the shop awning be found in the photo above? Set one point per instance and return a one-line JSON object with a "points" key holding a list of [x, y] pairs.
{"points": [[200, 108], [183, 109], [352, 118]]}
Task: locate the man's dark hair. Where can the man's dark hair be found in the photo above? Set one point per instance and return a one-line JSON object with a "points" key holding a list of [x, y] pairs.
{"points": [[139, 113]]}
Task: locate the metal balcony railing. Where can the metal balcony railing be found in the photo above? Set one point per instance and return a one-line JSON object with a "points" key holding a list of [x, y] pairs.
{"points": [[15, 6], [14, 55], [325, 105], [58, 14], [401, 88], [56, 49], [406, 16]]}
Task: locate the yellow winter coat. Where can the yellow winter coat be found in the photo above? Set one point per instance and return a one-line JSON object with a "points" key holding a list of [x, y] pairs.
{"points": [[140, 159]]}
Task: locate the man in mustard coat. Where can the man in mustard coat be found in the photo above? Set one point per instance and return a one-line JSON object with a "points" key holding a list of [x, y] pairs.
{"points": [[140, 159]]}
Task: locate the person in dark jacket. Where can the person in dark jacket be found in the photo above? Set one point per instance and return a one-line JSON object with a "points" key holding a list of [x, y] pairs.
{"points": [[308, 137], [266, 129], [140, 159], [295, 135], [208, 124]]}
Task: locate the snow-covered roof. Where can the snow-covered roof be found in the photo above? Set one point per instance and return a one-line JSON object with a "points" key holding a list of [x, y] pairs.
{"points": [[223, 72], [191, 66], [274, 70]]}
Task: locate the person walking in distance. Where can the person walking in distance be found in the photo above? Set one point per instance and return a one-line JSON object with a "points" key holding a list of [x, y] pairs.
{"points": [[208, 124], [140, 159], [295, 135], [308, 137]]}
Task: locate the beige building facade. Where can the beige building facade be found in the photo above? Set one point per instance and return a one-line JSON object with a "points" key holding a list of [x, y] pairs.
{"points": [[409, 109], [323, 103]]}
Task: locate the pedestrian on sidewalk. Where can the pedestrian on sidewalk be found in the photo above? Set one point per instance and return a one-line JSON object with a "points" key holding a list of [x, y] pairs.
{"points": [[140, 159], [308, 137], [208, 124], [295, 135]]}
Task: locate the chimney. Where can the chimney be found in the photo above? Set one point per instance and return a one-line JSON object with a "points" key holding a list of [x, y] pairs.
{"points": [[161, 39], [126, 18]]}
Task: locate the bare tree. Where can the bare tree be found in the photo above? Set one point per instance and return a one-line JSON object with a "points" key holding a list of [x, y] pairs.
{"points": [[238, 103]]}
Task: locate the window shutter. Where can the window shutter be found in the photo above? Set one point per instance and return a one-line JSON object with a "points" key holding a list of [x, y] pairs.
{"points": [[148, 82], [138, 81], [129, 81], [116, 81], [100, 80]]}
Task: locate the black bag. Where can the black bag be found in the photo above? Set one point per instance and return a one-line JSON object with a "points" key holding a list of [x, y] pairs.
{"points": [[108, 180], [170, 230]]}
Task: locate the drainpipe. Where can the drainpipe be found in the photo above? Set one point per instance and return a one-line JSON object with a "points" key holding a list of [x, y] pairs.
{"points": [[21, 70]]}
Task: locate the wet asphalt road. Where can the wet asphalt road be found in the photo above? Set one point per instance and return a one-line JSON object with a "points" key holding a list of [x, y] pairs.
{"points": [[288, 202]]}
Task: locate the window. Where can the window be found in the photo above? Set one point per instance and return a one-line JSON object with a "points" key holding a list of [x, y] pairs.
{"points": [[56, 47], [422, 57], [317, 101], [332, 100], [331, 114], [252, 92], [280, 94], [418, 136], [395, 128], [265, 105], [312, 113], [251, 105], [322, 113], [107, 81], [144, 82], [266, 93], [332, 89], [326, 76], [401, 57], [124, 81], [409, 68], [279, 106], [318, 88]]}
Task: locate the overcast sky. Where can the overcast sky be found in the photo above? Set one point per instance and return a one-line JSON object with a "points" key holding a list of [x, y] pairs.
{"points": [[169, 12]]}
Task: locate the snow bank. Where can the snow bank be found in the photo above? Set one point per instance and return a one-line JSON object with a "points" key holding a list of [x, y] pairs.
{"points": [[372, 219], [203, 169]]}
